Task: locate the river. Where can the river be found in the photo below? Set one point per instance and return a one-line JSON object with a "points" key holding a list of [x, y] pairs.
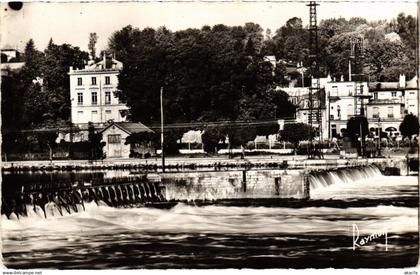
{"points": [[317, 233]]}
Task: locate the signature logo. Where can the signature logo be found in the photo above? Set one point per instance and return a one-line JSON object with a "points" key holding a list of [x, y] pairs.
{"points": [[359, 241]]}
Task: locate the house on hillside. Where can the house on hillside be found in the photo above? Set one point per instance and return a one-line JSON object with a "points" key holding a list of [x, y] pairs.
{"points": [[93, 93], [128, 139]]}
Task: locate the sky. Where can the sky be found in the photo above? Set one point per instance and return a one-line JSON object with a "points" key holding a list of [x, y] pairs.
{"points": [[72, 22]]}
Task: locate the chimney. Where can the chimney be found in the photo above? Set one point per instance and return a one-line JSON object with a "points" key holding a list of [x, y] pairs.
{"points": [[402, 81]]}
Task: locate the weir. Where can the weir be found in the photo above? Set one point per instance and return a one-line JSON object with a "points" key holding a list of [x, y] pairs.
{"points": [[65, 198], [164, 190]]}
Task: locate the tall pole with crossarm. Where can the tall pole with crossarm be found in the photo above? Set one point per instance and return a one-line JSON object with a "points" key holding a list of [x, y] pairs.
{"points": [[315, 112], [161, 131]]}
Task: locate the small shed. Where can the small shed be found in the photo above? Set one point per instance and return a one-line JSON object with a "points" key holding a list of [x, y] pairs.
{"points": [[117, 146]]}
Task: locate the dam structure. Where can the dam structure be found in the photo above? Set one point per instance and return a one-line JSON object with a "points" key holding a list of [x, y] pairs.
{"points": [[287, 183]]}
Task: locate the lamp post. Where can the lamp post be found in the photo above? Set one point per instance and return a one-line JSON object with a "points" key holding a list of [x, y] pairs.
{"points": [[379, 138], [161, 130]]}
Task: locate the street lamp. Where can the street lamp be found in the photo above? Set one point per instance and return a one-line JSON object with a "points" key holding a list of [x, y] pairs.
{"points": [[161, 130], [379, 138]]}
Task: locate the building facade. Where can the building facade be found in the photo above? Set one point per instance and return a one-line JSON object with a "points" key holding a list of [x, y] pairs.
{"points": [[93, 93], [341, 102], [383, 103], [390, 102]]}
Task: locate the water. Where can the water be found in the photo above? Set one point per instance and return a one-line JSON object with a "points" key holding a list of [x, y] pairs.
{"points": [[316, 233]]}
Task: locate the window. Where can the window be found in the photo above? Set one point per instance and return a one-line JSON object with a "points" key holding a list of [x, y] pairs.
{"points": [[339, 112], [79, 81], [114, 138], [108, 115], [350, 110], [94, 98], [94, 116], [93, 80], [107, 80], [375, 112], [412, 93], [390, 112], [107, 97], [79, 98], [375, 96], [394, 94]]}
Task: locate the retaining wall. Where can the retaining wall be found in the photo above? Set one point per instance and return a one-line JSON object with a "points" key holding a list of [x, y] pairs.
{"points": [[232, 184]]}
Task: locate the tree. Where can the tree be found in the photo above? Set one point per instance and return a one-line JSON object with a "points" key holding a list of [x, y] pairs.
{"points": [[406, 27], [240, 135], [409, 126], [296, 132], [93, 38], [95, 143], [123, 42], [12, 100], [211, 137], [357, 128], [292, 41], [56, 86], [47, 139]]}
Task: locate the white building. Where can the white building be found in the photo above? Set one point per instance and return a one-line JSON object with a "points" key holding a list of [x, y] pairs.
{"points": [[341, 104], [385, 104], [390, 103], [93, 93], [411, 99]]}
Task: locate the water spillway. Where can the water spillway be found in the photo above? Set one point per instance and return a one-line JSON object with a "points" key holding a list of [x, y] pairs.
{"points": [[52, 194], [320, 179], [61, 198]]}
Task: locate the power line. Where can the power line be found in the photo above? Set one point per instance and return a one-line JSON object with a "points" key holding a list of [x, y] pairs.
{"points": [[180, 125]]}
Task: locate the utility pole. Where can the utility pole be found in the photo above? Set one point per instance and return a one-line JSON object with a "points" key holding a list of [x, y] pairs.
{"points": [[161, 130], [379, 139], [314, 71], [361, 140]]}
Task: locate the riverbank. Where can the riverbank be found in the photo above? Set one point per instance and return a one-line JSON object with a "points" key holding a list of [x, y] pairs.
{"points": [[209, 163]]}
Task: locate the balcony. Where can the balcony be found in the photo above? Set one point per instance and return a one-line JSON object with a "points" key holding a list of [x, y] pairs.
{"points": [[386, 101]]}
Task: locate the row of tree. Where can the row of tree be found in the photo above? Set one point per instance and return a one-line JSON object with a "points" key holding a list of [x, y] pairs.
{"points": [[208, 75], [39, 93], [389, 47]]}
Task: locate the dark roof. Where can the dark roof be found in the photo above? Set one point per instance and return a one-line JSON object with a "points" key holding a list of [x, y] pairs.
{"points": [[380, 86], [130, 127]]}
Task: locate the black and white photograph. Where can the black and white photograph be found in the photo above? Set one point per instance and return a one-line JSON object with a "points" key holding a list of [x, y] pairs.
{"points": [[210, 135]]}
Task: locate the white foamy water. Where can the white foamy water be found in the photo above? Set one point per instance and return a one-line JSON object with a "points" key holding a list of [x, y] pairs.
{"points": [[89, 231]]}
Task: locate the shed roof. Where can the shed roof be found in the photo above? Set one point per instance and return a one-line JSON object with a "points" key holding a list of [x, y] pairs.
{"points": [[130, 127]]}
